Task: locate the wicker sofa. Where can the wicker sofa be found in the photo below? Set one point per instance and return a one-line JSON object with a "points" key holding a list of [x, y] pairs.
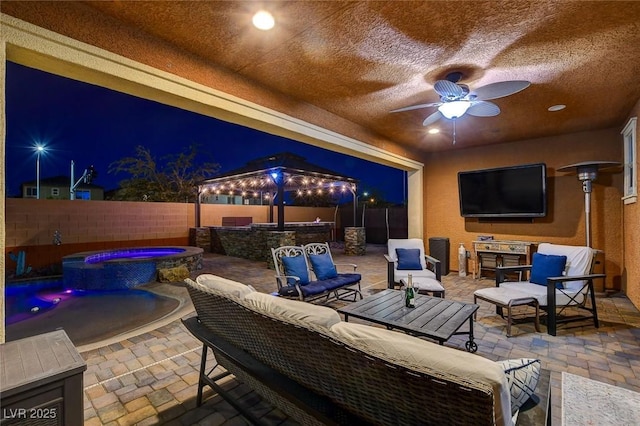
{"points": [[370, 374]]}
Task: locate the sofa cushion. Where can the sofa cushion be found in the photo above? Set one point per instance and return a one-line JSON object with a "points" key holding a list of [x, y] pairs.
{"points": [[522, 375], [314, 288], [408, 259], [431, 358], [293, 311], [224, 286], [563, 297], [323, 266], [545, 266], [297, 267], [340, 280], [404, 274]]}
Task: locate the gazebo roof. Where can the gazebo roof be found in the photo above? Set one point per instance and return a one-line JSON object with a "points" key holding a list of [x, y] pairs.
{"points": [[299, 174]]}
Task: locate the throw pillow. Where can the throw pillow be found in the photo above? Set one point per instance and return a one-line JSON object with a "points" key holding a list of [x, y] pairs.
{"points": [[323, 266], [408, 259], [288, 291], [545, 266], [297, 267], [522, 376]]}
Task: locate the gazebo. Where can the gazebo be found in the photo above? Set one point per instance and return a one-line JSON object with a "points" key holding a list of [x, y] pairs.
{"points": [[277, 174]]}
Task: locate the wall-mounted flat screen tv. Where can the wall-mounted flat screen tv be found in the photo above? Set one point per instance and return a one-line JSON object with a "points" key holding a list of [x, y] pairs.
{"points": [[518, 191]]}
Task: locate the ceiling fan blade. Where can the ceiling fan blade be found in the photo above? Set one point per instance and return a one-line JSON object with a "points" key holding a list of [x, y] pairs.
{"points": [[447, 89], [483, 109], [500, 89], [409, 108], [432, 118]]}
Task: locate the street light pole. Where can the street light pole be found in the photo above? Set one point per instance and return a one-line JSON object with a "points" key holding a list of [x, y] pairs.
{"points": [[39, 149]]}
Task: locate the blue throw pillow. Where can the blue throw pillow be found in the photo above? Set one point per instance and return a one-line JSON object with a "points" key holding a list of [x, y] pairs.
{"points": [[545, 266], [409, 259], [323, 266], [296, 266]]}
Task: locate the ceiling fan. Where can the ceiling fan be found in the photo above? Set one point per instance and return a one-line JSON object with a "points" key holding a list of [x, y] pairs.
{"points": [[457, 100]]}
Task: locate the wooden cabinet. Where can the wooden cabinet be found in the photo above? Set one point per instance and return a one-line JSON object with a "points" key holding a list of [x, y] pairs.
{"points": [[491, 254], [41, 380]]}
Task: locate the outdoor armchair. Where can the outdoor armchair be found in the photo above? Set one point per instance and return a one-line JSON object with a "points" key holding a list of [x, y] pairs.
{"points": [[407, 256], [555, 284]]}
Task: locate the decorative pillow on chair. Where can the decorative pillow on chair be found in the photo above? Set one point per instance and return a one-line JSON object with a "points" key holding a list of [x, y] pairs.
{"points": [[545, 266], [323, 266], [408, 259], [296, 266], [522, 375]]}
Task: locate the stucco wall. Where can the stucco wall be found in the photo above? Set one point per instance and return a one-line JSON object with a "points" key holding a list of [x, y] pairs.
{"points": [[565, 221], [631, 223]]}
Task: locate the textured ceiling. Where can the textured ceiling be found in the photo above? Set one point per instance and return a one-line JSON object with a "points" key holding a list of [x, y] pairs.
{"points": [[359, 60]]}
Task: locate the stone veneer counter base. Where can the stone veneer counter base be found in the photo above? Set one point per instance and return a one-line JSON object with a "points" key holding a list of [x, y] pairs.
{"points": [[254, 241]]}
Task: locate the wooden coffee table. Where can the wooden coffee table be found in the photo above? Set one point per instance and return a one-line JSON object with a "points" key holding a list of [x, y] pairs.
{"points": [[433, 317]]}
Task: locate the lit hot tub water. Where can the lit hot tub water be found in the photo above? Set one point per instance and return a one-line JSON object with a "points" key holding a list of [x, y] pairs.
{"points": [[124, 268], [142, 253]]}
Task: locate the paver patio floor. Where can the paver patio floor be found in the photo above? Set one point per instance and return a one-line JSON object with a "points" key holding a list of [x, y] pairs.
{"points": [[150, 376]]}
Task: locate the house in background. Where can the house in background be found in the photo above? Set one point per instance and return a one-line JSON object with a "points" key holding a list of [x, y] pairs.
{"points": [[59, 188], [224, 199]]}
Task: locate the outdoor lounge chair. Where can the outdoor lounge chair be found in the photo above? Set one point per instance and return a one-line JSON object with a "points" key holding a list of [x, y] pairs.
{"points": [[569, 285], [418, 264], [308, 273]]}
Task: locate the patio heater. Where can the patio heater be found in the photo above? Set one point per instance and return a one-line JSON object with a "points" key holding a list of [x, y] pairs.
{"points": [[587, 172]]}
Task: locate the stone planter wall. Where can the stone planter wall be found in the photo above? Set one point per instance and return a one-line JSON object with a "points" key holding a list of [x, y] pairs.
{"points": [[200, 237], [355, 241]]}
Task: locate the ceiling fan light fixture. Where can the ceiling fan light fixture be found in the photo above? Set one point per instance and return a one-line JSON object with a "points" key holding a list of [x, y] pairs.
{"points": [[263, 20], [433, 131], [454, 109]]}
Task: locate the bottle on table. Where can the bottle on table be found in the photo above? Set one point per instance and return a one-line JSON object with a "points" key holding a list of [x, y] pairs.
{"points": [[410, 294]]}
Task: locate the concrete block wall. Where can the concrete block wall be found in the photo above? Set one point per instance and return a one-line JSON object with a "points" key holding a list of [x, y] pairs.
{"points": [[100, 225]]}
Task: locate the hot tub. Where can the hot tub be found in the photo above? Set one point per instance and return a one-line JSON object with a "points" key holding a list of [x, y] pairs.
{"points": [[124, 268]]}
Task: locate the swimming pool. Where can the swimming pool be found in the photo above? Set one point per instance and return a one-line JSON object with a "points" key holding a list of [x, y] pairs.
{"points": [[23, 299], [125, 268], [87, 316]]}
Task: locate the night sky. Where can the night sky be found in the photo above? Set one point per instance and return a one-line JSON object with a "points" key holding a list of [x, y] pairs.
{"points": [[95, 126]]}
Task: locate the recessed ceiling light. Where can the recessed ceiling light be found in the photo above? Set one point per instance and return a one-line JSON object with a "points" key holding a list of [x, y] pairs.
{"points": [[433, 131], [263, 20], [558, 107]]}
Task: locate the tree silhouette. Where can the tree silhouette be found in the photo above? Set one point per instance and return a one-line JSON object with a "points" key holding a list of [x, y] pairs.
{"points": [[172, 178]]}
